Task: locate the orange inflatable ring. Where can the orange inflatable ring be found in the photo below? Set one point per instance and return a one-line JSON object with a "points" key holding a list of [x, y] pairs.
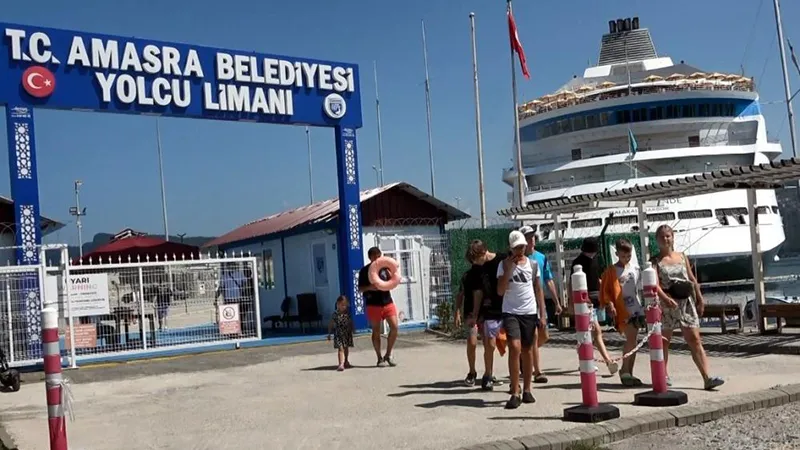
{"points": [[384, 273]]}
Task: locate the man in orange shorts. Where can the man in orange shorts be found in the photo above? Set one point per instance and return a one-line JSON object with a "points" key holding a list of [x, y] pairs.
{"points": [[380, 307]]}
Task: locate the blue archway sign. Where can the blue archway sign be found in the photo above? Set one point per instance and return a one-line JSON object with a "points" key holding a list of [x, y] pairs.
{"points": [[70, 70]]}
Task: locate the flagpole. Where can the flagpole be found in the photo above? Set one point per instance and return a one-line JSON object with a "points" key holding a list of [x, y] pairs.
{"points": [[428, 108], [520, 176], [786, 86], [481, 191], [378, 113]]}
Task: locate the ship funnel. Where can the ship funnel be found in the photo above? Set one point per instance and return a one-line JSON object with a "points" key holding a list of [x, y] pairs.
{"points": [[625, 41]]}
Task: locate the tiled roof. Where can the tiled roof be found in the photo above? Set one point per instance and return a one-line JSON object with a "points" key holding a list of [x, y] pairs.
{"points": [[758, 176], [321, 212]]}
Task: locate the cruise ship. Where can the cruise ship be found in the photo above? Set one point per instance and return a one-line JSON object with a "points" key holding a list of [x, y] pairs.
{"points": [[683, 119]]}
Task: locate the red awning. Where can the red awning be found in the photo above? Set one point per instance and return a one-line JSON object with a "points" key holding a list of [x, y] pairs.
{"points": [[140, 248]]}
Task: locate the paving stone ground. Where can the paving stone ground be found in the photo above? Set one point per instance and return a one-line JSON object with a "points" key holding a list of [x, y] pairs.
{"points": [[766, 429], [291, 398]]}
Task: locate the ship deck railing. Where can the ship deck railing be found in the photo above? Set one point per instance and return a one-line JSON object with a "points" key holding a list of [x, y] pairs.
{"points": [[538, 106]]}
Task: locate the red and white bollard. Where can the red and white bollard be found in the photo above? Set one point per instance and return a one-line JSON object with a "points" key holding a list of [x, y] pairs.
{"points": [[590, 410], [53, 380], [660, 395]]}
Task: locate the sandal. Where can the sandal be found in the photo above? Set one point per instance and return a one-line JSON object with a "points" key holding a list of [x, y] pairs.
{"points": [[713, 382], [540, 378]]}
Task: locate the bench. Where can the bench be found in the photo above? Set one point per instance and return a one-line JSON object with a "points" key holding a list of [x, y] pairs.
{"points": [[721, 312], [778, 311]]}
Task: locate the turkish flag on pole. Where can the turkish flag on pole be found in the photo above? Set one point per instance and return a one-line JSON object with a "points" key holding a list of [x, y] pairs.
{"points": [[516, 45]]}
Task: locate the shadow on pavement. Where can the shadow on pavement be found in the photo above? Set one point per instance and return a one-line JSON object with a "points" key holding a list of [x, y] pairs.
{"points": [[463, 390], [435, 385], [464, 402], [333, 368]]}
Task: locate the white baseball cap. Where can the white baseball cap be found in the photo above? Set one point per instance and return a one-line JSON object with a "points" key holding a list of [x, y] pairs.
{"points": [[515, 239], [526, 230]]}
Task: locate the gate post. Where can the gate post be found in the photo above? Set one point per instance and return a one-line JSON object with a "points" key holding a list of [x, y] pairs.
{"points": [[349, 230], [27, 226]]}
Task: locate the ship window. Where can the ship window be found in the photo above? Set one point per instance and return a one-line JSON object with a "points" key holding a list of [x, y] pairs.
{"points": [[661, 217], [579, 123], [729, 110], [548, 227], [704, 110], [623, 116], [694, 141], [592, 121], [716, 110], [640, 115], [775, 209], [576, 154], [622, 220], [762, 210], [657, 113], [672, 112], [697, 214], [604, 119], [731, 212], [587, 223], [564, 126], [687, 111]]}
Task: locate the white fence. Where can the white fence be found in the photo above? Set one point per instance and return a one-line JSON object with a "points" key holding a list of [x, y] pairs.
{"points": [[116, 308]]}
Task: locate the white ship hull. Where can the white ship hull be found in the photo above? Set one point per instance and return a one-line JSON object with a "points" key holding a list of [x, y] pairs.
{"points": [[719, 250]]}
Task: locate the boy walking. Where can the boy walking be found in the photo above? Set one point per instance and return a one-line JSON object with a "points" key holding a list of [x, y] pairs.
{"points": [[519, 284], [481, 281], [620, 287]]}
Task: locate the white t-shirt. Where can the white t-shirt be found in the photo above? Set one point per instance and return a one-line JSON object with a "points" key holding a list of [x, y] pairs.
{"points": [[630, 282], [520, 298]]}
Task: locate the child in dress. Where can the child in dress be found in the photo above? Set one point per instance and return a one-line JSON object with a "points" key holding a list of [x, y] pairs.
{"points": [[342, 328]]}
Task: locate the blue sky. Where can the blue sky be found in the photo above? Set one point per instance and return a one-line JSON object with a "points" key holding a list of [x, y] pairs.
{"points": [[220, 175]]}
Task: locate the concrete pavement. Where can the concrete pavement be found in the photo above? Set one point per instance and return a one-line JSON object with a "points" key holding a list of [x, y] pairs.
{"points": [[291, 398]]}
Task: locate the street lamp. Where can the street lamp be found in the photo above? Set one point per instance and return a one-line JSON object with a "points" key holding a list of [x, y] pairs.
{"points": [[377, 176], [78, 213]]}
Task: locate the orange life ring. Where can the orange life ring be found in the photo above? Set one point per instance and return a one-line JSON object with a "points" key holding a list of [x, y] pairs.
{"points": [[384, 273]]}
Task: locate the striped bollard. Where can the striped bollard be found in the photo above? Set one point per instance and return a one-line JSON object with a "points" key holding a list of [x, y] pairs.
{"points": [[53, 379], [660, 395], [590, 410]]}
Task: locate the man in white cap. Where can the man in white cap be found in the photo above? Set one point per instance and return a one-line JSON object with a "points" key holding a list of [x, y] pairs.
{"points": [[546, 277], [518, 282]]}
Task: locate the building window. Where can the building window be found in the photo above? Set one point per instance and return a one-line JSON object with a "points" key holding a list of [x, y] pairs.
{"points": [[576, 154], [266, 270], [694, 141]]}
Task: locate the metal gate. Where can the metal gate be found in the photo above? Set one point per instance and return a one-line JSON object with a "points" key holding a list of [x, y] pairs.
{"points": [[114, 308], [425, 269]]}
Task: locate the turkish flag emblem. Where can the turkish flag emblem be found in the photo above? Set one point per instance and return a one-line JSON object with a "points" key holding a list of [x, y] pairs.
{"points": [[38, 81]]}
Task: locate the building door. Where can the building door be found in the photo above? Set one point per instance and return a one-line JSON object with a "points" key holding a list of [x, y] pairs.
{"points": [[409, 296]]}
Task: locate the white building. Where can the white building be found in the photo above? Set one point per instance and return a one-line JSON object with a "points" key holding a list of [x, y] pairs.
{"points": [[296, 249]]}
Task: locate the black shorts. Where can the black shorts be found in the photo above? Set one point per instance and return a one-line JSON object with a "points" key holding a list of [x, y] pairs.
{"points": [[521, 327]]}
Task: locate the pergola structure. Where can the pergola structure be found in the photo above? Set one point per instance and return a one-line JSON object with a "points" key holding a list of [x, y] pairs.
{"points": [[759, 176]]}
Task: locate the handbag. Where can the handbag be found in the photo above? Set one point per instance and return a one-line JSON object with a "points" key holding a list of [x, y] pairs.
{"points": [[681, 289]]}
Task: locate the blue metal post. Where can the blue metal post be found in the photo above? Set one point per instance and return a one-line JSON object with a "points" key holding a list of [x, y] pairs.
{"points": [[26, 296], [350, 234]]}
